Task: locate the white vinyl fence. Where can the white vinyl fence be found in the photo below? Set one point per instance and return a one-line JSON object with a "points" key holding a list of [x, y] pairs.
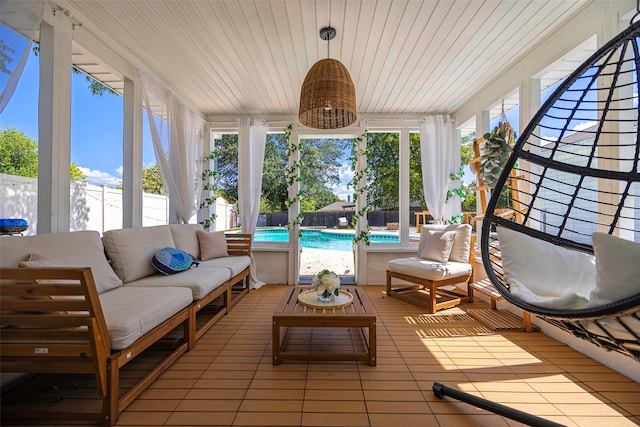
{"points": [[93, 207]]}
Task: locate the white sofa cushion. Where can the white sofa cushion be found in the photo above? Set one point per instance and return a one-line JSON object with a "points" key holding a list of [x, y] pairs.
{"points": [[545, 274], [73, 249], [200, 281], [235, 264], [461, 248], [130, 312], [131, 249], [212, 245], [185, 238], [426, 269]]}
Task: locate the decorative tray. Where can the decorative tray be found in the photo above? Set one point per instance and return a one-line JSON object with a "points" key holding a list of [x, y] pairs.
{"points": [[310, 299]]}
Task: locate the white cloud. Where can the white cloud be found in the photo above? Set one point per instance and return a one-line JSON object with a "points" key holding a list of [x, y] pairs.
{"points": [[341, 190], [96, 177], [546, 140], [119, 170], [584, 125]]}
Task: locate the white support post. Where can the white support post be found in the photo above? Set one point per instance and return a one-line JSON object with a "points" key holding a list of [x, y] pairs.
{"points": [[132, 156], [404, 211], [54, 125]]}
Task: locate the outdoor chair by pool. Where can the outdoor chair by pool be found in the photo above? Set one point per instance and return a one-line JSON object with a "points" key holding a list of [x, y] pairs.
{"points": [[444, 259]]}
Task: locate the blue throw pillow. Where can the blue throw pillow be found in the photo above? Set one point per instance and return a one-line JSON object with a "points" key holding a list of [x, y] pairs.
{"points": [[171, 261]]}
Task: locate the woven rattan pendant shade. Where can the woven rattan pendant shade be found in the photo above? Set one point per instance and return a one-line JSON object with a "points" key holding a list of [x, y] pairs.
{"points": [[328, 96]]}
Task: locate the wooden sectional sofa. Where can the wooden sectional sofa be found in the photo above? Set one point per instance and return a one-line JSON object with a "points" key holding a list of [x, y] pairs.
{"points": [[86, 305]]}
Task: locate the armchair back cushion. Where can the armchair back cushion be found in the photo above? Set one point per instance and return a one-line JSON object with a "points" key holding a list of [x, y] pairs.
{"points": [[438, 246], [461, 248]]}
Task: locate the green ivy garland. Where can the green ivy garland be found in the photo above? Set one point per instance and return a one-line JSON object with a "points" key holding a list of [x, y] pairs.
{"points": [[359, 188], [292, 176], [208, 176]]}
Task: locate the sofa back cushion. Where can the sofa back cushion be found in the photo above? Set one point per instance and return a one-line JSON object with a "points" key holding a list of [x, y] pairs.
{"points": [[73, 249], [132, 249], [461, 249], [184, 235]]}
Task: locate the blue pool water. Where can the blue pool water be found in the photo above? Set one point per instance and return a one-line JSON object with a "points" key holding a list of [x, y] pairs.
{"points": [[320, 239]]}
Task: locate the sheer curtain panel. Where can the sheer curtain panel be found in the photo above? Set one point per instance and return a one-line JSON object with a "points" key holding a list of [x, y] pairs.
{"points": [[252, 139], [16, 36], [437, 151], [179, 129]]}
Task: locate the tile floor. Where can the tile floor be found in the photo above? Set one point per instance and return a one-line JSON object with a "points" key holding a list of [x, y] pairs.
{"points": [[228, 379]]}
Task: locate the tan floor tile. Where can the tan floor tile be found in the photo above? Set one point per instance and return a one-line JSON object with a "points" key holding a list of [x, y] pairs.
{"points": [[329, 419], [208, 405], [201, 418], [378, 407], [389, 385], [271, 406], [268, 419], [329, 394], [271, 394], [405, 420], [335, 406]]}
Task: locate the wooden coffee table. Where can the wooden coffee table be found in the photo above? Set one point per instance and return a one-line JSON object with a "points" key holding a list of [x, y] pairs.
{"points": [[291, 314]]}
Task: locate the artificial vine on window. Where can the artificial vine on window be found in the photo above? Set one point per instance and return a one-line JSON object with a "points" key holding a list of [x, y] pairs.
{"points": [[360, 189], [208, 177], [293, 175], [460, 192]]}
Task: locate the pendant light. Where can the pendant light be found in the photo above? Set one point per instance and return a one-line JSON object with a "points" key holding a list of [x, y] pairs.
{"points": [[328, 96]]}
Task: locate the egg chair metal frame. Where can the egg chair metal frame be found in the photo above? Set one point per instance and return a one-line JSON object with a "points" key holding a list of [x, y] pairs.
{"points": [[578, 182]]}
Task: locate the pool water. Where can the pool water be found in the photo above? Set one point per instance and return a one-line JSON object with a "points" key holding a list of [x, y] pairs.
{"points": [[321, 239]]}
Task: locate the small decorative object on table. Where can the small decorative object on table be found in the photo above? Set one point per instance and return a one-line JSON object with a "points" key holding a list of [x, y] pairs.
{"points": [[327, 284]]}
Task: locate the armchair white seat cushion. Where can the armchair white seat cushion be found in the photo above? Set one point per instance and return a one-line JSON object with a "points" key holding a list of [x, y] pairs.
{"points": [[427, 269]]}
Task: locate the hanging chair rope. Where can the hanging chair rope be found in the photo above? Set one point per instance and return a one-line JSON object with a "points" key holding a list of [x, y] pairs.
{"points": [[574, 171]]}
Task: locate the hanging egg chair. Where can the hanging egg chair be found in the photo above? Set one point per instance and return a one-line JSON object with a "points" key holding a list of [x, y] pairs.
{"points": [[573, 183]]}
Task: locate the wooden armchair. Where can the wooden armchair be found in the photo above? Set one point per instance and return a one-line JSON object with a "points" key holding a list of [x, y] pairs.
{"points": [[444, 259]]}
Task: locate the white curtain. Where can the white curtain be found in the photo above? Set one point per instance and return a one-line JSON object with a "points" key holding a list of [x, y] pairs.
{"points": [[453, 207], [178, 128], [252, 139], [15, 43], [437, 151]]}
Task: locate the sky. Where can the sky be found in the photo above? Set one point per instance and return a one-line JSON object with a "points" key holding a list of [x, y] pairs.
{"points": [[96, 125]]}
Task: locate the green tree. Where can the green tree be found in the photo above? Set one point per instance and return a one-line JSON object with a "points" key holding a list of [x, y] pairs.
{"points": [[76, 174], [227, 179], [322, 159], [274, 186], [384, 177], [151, 180], [18, 154]]}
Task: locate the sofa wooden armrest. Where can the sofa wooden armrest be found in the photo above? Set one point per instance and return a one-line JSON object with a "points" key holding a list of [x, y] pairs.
{"points": [[52, 321], [239, 245], [53, 327]]}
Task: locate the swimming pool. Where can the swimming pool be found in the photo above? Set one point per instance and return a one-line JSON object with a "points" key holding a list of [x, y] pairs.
{"points": [[336, 240]]}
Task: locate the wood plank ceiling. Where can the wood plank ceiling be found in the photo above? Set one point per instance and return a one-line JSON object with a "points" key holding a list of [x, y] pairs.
{"points": [[250, 57]]}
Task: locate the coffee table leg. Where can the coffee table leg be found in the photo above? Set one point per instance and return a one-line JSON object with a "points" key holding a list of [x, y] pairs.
{"points": [[276, 343]]}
